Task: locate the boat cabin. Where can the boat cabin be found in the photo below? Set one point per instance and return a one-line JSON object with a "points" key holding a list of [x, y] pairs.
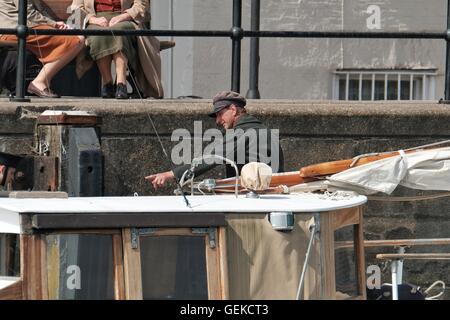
{"points": [[219, 247]]}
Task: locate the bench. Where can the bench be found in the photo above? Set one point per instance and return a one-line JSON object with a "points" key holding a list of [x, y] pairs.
{"points": [[58, 10]]}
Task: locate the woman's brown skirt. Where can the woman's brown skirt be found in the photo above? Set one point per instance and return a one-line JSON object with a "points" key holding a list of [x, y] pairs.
{"points": [[45, 48]]}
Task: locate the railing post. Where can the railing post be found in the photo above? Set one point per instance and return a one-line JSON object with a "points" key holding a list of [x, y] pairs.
{"points": [[253, 90], [237, 35], [447, 59], [21, 53]]}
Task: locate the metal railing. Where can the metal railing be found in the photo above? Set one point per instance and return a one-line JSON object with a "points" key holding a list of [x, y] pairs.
{"points": [[236, 33]]}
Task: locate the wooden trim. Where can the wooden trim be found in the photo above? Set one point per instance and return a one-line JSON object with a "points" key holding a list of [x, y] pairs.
{"points": [[31, 266], [119, 282], [132, 268], [358, 234], [328, 276], [357, 298], [396, 243], [212, 271], [121, 220], [44, 270], [216, 263], [66, 119], [53, 268], [223, 262], [345, 217], [413, 256], [85, 231], [9, 254], [12, 292], [172, 232]]}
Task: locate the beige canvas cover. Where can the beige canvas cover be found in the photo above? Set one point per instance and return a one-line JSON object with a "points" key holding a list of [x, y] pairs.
{"points": [[266, 264], [256, 176]]}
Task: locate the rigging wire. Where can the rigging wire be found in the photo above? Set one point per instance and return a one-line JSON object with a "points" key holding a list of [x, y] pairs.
{"points": [[154, 127], [140, 98]]}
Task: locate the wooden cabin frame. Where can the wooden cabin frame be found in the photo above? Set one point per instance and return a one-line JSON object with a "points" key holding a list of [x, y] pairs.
{"points": [[34, 262], [239, 249]]}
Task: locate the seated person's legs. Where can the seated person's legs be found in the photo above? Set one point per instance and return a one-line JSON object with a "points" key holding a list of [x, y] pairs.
{"points": [[54, 52], [105, 49], [8, 68]]}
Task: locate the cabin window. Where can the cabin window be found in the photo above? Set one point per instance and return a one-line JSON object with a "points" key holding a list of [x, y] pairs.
{"points": [[173, 267], [373, 85], [9, 255], [80, 266], [345, 262]]}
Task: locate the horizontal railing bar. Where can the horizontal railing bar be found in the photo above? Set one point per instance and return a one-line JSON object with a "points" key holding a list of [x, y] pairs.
{"points": [[107, 32], [390, 72], [395, 243], [225, 33], [345, 34]]}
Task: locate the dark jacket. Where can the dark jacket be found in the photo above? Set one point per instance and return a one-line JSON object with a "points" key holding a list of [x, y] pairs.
{"points": [[249, 141]]}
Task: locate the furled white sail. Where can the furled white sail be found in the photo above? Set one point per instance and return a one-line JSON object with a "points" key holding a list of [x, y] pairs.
{"points": [[423, 170]]}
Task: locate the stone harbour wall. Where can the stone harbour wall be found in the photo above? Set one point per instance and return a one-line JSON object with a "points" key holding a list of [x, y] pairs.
{"points": [[310, 132]]}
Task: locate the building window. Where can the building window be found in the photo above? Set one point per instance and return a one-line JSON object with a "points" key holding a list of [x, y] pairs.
{"points": [[371, 85]]}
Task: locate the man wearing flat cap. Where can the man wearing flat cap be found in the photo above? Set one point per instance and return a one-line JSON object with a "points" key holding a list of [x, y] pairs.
{"points": [[247, 140]]}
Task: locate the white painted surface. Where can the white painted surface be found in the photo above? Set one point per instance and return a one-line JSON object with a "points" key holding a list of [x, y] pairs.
{"points": [[6, 281], [223, 203], [9, 222]]}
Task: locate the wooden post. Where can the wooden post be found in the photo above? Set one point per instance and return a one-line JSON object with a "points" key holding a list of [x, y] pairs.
{"points": [[132, 268], [32, 260]]}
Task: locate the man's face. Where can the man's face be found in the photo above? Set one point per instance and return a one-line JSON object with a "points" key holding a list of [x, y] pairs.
{"points": [[225, 118]]}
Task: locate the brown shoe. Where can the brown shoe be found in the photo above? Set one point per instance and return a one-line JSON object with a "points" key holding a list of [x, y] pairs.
{"points": [[46, 93]]}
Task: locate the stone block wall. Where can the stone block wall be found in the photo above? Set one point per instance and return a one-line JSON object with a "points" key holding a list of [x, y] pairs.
{"points": [[311, 132]]}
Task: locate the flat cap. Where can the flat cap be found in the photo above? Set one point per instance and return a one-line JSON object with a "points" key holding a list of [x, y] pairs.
{"points": [[224, 99]]}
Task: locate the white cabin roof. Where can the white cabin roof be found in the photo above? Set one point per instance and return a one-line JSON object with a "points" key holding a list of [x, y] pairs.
{"points": [[11, 208]]}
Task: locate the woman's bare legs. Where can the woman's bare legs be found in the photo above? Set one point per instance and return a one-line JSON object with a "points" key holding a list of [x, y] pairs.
{"points": [[104, 66], [49, 70], [121, 62]]}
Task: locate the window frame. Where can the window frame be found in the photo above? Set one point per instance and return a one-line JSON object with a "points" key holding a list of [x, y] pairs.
{"points": [[428, 88], [216, 263], [33, 255]]}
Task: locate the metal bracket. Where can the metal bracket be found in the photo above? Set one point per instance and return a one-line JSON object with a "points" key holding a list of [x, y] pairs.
{"points": [[135, 233], [317, 223], [211, 232]]}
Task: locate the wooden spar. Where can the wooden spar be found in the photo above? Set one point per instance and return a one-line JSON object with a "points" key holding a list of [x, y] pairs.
{"points": [[316, 171], [332, 167], [284, 178], [289, 179]]}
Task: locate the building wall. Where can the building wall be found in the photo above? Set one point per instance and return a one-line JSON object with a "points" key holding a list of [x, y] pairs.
{"points": [[297, 68]]}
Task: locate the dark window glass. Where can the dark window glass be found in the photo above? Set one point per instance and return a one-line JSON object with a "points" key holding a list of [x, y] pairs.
{"points": [[9, 255], [405, 88], [353, 89], [366, 92], [80, 266], [173, 267], [417, 88], [345, 262], [392, 90], [342, 89], [379, 90]]}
